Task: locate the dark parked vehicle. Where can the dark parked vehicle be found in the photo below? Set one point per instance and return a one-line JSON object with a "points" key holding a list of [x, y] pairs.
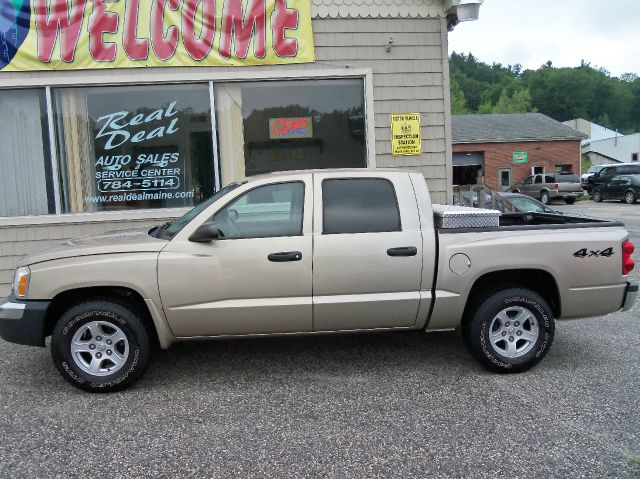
{"points": [[606, 174], [525, 204], [505, 203], [549, 186], [621, 187], [586, 184]]}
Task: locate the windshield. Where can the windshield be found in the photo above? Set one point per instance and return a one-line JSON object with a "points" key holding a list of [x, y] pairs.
{"points": [[595, 169], [171, 229]]}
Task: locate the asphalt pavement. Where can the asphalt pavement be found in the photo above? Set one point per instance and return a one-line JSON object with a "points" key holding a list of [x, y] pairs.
{"points": [[375, 405]]}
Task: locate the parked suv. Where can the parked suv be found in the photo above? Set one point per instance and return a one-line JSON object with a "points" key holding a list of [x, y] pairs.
{"points": [[549, 186], [621, 187], [586, 184], [606, 174]]}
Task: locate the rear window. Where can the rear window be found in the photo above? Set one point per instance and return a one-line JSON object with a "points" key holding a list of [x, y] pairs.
{"points": [[567, 179], [359, 205], [628, 170]]}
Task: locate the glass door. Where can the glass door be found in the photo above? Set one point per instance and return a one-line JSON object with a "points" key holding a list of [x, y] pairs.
{"points": [[504, 179]]}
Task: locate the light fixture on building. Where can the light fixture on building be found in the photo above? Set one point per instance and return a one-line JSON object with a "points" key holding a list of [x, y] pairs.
{"points": [[461, 11]]}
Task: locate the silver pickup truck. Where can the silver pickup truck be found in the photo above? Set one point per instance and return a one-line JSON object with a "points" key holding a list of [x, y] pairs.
{"points": [[317, 252]]}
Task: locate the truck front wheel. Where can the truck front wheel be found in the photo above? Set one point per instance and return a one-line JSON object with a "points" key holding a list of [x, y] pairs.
{"points": [[100, 345], [509, 330]]}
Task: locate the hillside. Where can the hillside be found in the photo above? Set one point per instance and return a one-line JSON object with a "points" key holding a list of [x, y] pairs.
{"points": [[561, 93]]}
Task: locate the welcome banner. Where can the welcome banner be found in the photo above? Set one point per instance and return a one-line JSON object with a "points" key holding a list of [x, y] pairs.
{"points": [[83, 34]]}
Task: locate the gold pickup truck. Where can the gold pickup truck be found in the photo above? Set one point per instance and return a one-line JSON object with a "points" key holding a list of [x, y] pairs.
{"points": [[317, 252]]}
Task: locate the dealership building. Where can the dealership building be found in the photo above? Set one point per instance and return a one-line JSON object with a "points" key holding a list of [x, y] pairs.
{"points": [[127, 114]]}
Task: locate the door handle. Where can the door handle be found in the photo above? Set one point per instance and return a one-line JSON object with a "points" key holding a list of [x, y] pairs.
{"points": [[285, 256], [403, 251]]}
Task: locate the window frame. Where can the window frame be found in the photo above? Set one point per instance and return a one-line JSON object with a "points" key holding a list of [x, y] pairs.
{"points": [[246, 192], [167, 77], [395, 195]]}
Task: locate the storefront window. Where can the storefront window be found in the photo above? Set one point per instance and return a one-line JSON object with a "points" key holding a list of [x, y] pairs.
{"points": [[290, 125], [134, 147], [26, 183]]}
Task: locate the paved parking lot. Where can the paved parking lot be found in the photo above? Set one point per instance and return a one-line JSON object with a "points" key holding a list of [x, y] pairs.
{"points": [[387, 405]]}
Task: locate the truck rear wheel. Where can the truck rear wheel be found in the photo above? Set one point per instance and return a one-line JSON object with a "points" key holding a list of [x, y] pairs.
{"points": [[544, 198], [100, 346], [509, 330]]}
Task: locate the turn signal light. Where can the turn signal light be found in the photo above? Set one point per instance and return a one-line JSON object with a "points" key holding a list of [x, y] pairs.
{"points": [[627, 261], [23, 282]]}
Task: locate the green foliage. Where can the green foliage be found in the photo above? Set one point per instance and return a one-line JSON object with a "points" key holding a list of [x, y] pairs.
{"points": [[458, 102], [561, 93]]}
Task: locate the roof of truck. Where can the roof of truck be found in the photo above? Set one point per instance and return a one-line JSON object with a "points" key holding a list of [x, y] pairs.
{"points": [[342, 171]]}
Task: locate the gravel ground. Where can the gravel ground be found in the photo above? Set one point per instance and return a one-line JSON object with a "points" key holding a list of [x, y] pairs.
{"points": [[386, 405]]}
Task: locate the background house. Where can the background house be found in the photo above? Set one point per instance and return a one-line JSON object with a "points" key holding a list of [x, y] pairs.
{"points": [[604, 145], [501, 150]]}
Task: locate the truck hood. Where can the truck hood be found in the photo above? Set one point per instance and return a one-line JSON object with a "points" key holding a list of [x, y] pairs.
{"points": [[135, 240]]}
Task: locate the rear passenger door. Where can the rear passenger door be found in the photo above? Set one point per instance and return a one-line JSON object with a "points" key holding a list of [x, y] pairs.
{"points": [[367, 254]]}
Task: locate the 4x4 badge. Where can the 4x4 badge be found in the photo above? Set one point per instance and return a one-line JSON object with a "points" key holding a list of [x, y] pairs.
{"points": [[584, 253]]}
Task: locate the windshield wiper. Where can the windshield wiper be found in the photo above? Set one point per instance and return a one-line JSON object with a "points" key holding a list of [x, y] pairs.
{"points": [[157, 231]]}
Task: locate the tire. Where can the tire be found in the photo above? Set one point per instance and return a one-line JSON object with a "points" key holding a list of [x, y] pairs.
{"points": [[630, 197], [544, 198], [112, 345], [570, 201], [597, 196], [490, 325]]}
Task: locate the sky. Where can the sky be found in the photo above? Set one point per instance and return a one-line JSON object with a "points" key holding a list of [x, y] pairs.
{"points": [[532, 32]]}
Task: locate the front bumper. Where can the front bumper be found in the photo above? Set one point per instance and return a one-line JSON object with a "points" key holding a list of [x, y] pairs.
{"points": [[23, 322], [630, 296]]}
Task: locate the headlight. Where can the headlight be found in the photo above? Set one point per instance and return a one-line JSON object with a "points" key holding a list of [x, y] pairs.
{"points": [[21, 282]]}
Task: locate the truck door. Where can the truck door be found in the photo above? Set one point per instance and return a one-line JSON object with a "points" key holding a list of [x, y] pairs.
{"points": [[367, 253], [256, 278]]}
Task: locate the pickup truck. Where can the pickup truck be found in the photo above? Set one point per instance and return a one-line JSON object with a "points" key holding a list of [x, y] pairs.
{"points": [[314, 252], [550, 186]]}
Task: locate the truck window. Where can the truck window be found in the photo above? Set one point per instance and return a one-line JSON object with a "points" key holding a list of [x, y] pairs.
{"points": [[359, 205], [538, 179], [567, 178], [265, 211]]}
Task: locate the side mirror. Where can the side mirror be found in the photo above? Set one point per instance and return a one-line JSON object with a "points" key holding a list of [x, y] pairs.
{"points": [[205, 233]]}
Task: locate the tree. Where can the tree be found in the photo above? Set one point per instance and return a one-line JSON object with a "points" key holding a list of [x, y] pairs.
{"points": [[458, 103], [585, 91]]}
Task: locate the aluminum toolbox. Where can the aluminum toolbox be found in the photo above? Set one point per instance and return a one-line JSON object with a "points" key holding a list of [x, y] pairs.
{"points": [[447, 216]]}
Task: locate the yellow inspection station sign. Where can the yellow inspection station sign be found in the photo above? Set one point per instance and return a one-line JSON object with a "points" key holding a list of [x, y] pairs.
{"points": [[405, 134]]}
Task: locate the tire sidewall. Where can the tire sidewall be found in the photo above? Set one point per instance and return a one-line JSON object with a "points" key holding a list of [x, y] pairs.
{"points": [[631, 195], [545, 199], [480, 328], [113, 313], [597, 196]]}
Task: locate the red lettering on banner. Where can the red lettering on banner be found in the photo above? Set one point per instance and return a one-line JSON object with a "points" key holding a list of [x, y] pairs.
{"points": [[198, 47], [282, 19], [136, 48], [102, 21], [164, 44], [58, 16], [242, 27]]}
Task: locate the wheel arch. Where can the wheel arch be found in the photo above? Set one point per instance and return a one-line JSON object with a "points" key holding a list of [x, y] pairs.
{"points": [[538, 280], [65, 299]]}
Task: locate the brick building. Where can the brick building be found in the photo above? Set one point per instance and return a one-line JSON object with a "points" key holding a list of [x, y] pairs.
{"points": [[501, 150]]}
